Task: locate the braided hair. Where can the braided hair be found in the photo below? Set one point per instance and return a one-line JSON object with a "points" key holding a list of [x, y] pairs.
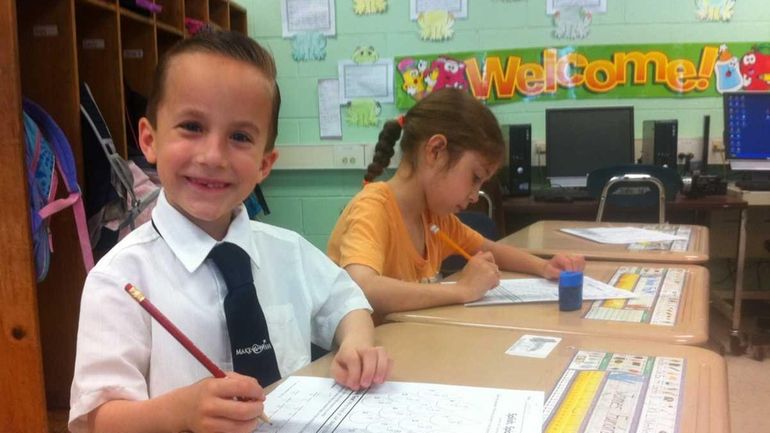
{"points": [[466, 123]]}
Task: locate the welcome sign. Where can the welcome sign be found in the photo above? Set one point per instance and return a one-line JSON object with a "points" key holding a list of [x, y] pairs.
{"points": [[608, 71]]}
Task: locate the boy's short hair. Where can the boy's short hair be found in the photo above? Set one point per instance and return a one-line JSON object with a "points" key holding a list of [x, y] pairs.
{"points": [[226, 43]]}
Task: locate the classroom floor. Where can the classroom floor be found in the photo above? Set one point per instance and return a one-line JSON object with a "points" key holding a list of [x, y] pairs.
{"points": [[748, 380]]}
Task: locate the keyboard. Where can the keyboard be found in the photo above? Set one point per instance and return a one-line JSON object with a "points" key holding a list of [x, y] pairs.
{"points": [[562, 195], [753, 185]]}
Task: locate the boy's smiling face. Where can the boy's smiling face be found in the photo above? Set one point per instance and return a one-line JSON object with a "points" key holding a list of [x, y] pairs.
{"points": [[209, 140]]}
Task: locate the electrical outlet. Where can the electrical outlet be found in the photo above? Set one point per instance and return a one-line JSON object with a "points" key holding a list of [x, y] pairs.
{"points": [[349, 156], [540, 148]]}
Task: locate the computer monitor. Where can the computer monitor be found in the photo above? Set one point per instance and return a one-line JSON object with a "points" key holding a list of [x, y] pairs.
{"points": [[747, 130], [580, 140]]}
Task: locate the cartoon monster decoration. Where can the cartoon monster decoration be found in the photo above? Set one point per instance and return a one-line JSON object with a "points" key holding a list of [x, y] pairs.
{"points": [[728, 73], [436, 25], [755, 70], [308, 46], [750, 72], [572, 22], [421, 78], [418, 79], [365, 55], [369, 7], [414, 82], [714, 10], [362, 112], [446, 72]]}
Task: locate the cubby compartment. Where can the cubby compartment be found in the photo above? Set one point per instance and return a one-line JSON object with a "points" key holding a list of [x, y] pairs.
{"points": [[167, 39], [172, 15], [196, 9], [219, 13], [99, 64], [238, 21], [139, 54]]}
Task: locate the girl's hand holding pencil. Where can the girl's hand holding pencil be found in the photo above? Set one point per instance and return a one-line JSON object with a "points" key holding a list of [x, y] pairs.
{"points": [[478, 276]]}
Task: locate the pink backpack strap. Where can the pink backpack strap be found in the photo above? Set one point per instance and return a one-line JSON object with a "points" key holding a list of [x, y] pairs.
{"points": [[75, 199]]}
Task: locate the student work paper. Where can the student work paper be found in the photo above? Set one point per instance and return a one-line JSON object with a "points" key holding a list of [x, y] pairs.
{"points": [[622, 235], [541, 290], [312, 404]]}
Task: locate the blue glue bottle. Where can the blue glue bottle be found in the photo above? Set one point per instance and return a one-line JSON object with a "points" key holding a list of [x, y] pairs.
{"points": [[570, 291]]}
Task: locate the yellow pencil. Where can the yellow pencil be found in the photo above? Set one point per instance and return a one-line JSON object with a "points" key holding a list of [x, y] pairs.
{"points": [[449, 241]]}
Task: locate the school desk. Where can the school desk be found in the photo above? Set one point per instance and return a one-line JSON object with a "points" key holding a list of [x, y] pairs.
{"points": [[459, 355], [690, 325], [544, 238]]}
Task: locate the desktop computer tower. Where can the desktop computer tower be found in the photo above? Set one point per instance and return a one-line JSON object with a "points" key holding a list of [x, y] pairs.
{"points": [[659, 142], [520, 160]]}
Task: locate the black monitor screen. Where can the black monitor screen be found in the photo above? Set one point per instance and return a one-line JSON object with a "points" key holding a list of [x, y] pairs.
{"points": [[578, 141], [747, 125]]}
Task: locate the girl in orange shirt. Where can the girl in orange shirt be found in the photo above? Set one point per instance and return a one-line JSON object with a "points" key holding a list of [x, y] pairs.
{"points": [[450, 145]]}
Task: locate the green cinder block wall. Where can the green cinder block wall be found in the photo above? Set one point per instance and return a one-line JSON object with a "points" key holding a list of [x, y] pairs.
{"points": [[309, 201]]}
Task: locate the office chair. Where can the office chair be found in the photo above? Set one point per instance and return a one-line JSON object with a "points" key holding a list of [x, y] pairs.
{"points": [[634, 187], [483, 223]]}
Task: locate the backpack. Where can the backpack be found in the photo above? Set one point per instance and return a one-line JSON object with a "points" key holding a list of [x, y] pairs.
{"points": [[120, 195], [47, 152]]}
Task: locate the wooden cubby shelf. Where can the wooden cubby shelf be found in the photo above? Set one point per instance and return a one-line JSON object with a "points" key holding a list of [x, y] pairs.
{"points": [[51, 47]]}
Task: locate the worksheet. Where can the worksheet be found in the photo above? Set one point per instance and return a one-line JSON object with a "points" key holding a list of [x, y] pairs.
{"points": [[319, 405], [679, 245], [623, 235], [516, 291]]}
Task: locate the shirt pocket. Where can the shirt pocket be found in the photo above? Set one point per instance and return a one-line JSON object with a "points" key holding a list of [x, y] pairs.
{"points": [[291, 350]]}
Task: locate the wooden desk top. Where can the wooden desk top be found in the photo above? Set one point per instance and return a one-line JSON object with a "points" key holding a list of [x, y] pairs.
{"points": [[528, 205], [752, 198], [459, 355], [691, 325], [543, 238]]}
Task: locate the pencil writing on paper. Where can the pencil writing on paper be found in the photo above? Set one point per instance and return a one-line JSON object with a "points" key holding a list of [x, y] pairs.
{"points": [[179, 336]]}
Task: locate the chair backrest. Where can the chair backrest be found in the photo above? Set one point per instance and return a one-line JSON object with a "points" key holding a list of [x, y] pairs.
{"points": [[491, 201], [634, 186], [478, 221]]}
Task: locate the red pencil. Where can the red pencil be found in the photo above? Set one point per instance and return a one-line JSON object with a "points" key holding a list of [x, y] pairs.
{"points": [[179, 335]]}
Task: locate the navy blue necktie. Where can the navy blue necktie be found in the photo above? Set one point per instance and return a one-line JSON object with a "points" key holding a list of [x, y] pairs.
{"points": [[253, 354]]}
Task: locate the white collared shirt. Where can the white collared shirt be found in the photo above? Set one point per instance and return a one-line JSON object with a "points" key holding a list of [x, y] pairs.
{"points": [[122, 353]]}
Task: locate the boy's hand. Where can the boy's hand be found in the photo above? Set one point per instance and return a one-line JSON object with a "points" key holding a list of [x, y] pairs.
{"points": [[360, 367], [478, 276], [232, 404], [562, 262]]}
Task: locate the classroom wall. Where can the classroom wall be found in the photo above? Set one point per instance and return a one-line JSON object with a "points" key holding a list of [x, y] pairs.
{"points": [[309, 201]]}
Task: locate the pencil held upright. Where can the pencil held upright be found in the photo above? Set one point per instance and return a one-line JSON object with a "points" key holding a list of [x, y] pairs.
{"points": [[434, 228]]}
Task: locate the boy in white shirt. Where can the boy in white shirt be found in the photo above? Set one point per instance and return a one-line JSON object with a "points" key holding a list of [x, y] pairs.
{"points": [[211, 126]]}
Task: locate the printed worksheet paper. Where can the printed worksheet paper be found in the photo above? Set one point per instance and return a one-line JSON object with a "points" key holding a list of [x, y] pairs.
{"points": [[319, 405]]}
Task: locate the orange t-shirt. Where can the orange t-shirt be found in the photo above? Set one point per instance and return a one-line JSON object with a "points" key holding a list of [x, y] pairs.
{"points": [[371, 232]]}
